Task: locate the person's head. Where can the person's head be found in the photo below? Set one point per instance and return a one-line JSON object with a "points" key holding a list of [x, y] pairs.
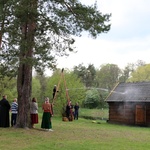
{"points": [[46, 100], [68, 102], [15, 99], [33, 99], [4, 96]]}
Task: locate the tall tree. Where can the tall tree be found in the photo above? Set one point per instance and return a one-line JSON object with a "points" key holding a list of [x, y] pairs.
{"points": [[131, 67], [3, 15], [38, 31], [142, 73], [108, 76], [86, 74], [91, 73]]}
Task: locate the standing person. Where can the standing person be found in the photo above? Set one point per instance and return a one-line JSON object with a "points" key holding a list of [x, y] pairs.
{"points": [[76, 111], [54, 91], [71, 117], [68, 110], [47, 114], [14, 111], [4, 112], [34, 112]]}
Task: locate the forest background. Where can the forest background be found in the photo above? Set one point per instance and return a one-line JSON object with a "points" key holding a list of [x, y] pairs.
{"points": [[89, 86], [32, 34]]}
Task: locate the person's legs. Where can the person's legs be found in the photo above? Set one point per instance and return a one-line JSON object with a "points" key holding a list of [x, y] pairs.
{"points": [[11, 119], [15, 118], [77, 115]]}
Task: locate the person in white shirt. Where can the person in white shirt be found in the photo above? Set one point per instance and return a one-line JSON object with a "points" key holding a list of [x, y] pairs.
{"points": [[34, 112], [14, 112]]}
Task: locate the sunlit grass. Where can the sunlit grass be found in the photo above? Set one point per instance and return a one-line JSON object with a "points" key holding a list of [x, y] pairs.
{"points": [[94, 113], [82, 134]]}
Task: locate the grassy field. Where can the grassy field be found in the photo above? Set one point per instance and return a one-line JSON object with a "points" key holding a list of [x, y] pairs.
{"points": [[82, 134], [94, 113]]}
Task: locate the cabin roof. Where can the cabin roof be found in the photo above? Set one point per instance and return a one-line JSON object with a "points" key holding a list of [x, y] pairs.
{"points": [[131, 92]]}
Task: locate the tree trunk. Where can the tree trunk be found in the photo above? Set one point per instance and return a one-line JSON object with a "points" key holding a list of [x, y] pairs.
{"points": [[3, 11], [24, 80], [24, 95]]}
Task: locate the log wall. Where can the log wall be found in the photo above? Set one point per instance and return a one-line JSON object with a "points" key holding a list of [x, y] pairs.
{"points": [[125, 113]]}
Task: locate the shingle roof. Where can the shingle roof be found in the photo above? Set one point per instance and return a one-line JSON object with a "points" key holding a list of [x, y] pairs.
{"points": [[139, 91]]}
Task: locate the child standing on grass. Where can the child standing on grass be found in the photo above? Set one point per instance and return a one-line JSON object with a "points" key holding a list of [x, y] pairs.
{"points": [[14, 112]]}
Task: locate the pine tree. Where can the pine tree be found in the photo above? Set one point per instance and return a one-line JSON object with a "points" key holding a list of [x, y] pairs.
{"points": [[36, 32]]}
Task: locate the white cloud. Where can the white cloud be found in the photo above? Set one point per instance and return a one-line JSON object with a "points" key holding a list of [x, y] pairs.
{"points": [[126, 42], [101, 51]]}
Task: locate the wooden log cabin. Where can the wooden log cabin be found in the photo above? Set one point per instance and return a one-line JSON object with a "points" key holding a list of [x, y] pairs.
{"points": [[129, 104]]}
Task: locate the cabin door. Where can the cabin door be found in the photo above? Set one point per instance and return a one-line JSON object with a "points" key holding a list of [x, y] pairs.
{"points": [[140, 116]]}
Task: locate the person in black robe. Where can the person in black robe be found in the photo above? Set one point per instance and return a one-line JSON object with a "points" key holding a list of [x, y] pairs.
{"points": [[4, 112], [54, 91], [69, 111]]}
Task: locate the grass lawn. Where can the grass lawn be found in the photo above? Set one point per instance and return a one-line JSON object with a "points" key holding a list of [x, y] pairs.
{"points": [[80, 134]]}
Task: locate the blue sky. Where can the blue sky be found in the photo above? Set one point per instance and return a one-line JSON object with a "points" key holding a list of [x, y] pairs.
{"points": [[126, 42]]}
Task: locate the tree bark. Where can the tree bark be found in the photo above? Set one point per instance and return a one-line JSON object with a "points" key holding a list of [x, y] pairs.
{"points": [[24, 80], [2, 22]]}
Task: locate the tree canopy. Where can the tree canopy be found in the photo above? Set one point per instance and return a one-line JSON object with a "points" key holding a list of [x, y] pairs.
{"points": [[34, 32], [47, 27], [142, 73]]}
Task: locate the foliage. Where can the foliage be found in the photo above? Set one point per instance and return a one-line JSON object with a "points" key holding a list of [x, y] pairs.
{"points": [[131, 67], [69, 84], [92, 99], [35, 33], [142, 73], [41, 81], [54, 23], [95, 98], [8, 87], [86, 74], [36, 89], [108, 76]]}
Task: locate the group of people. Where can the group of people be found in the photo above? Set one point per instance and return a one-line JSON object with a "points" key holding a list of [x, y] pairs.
{"points": [[46, 124], [5, 108], [72, 112], [47, 114]]}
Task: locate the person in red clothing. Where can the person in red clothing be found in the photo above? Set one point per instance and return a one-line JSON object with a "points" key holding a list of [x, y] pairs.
{"points": [[34, 112], [47, 114]]}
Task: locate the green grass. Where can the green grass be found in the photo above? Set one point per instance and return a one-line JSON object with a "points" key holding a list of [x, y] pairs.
{"points": [[94, 113], [82, 134]]}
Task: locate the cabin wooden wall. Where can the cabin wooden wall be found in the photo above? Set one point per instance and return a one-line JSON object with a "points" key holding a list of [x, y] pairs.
{"points": [[127, 113], [147, 114], [122, 113]]}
